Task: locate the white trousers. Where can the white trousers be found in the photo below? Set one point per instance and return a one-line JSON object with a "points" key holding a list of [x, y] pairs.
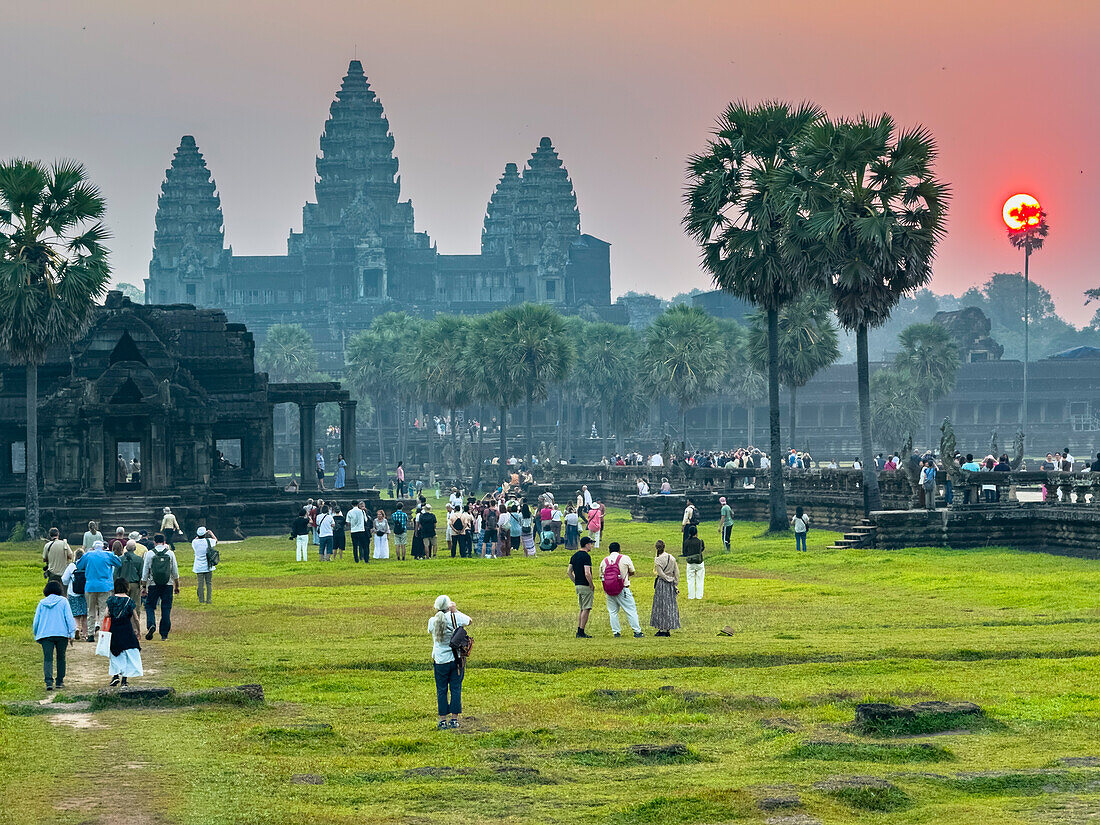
{"points": [[624, 602], [595, 534], [695, 575], [302, 547]]}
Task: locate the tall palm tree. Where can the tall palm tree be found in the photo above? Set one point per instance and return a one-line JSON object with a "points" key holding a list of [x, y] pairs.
{"points": [[487, 380], [683, 358], [53, 267], [740, 212], [874, 214], [606, 371], [930, 357], [537, 353], [807, 344]]}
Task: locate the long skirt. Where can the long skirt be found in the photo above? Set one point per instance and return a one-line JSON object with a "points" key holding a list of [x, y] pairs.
{"points": [[505, 543], [665, 614], [127, 663], [417, 547], [528, 540], [572, 536], [382, 546], [78, 604]]}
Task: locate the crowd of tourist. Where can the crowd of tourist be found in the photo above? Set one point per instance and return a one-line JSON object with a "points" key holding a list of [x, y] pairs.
{"points": [[97, 591]]}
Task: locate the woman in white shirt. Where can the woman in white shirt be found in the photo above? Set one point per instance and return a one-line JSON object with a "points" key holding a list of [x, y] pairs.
{"points": [[381, 531], [448, 671]]}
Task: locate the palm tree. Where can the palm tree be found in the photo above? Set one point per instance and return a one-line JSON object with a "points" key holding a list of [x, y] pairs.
{"points": [[895, 408], [537, 353], [739, 211], [288, 355], [874, 214], [683, 358], [487, 380], [930, 357], [606, 371], [807, 345], [53, 267]]}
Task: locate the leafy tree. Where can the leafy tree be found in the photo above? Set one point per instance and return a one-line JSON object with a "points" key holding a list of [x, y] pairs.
{"points": [[607, 372], [53, 267], [875, 213], [537, 353], [740, 212], [683, 358], [487, 380], [287, 354], [930, 357], [807, 345], [895, 409]]}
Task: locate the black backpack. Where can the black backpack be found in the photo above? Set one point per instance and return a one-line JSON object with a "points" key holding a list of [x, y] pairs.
{"points": [[80, 579], [213, 557], [462, 643]]}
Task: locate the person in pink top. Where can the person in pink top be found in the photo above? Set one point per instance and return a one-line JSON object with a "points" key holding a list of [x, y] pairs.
{"points": [[400, 479], [595, 523]]}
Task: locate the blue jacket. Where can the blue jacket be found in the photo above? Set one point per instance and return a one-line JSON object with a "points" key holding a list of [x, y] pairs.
{"points": [[54, 617], [99, 567]]}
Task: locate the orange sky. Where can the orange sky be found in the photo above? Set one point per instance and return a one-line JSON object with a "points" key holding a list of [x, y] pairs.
{"points": [[625, 89]]}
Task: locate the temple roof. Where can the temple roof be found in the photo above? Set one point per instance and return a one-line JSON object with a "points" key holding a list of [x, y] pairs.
{"points": [[188, 209]]}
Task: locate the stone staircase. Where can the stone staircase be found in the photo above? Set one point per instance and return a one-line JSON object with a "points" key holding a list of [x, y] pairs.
{"points": [[862, 535]]}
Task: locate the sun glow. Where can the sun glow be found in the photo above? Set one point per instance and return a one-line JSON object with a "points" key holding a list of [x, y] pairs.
{"points": [[1021, 211]]}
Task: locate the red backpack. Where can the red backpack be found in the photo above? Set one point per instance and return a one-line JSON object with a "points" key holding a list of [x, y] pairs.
{"points": [[613, 577]]}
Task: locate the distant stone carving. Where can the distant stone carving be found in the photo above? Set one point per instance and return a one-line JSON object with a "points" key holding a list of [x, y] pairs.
{"points": [[970, 328]]}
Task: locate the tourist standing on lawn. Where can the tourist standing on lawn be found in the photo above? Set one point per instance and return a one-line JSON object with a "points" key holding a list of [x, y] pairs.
{"points": [[381, 536], [53, 627], [299, 534], [91, 536], [527, 531], [204, 542], [726, 521], [489, 519], [339, 539], [665, 614], [693, 557], [74, 581], [357, 527], [125, 659], [615, 573], [579, 571], [595, 524], [401, 489], [56, 555], [426, 523], [170, 528], [801, 524], [448, 671], [400, 530], [556, 522], [99, 570], [131, 571], [325, 525], [160, 582], [691, 517], [572, 527]]}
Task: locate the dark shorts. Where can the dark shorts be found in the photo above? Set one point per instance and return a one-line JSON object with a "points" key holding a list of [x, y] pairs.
{"points": [[491, 534], [320, 474]]}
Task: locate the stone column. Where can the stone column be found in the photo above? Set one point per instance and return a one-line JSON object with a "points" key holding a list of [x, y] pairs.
{"points": [[266, 470], [95, 456], [347, 442], [307, 420]]}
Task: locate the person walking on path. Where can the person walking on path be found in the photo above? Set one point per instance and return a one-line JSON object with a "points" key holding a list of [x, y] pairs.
{"points": [[74, 582], [400, 531], [125, 659], [665, 614], [595, 525], [170, 528], [448, 670], [801, 524], [381, 536], [56, 555], [357, 528], [579, 571], [91, 536], [203, 543], [693, 558], [615, 573], [53, 627], [160, 582], [99, 571], [131, 571], [727, 523], [299, 534], [325, 525]]}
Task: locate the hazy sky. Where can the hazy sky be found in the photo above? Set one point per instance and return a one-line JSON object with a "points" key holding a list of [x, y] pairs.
{"points": [[626, 90]]}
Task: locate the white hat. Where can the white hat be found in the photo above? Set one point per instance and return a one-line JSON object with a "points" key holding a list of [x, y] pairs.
{"points": [[200, 532]]}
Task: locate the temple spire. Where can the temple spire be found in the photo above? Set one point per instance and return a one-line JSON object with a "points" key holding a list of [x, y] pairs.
{"points": [[499, 228]]}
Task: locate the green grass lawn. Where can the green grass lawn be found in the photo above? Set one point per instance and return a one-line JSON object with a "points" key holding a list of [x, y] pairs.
{"points": [[550, 719]]}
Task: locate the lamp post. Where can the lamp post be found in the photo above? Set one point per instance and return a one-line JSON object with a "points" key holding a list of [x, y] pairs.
{"points": [[1027, 227]]}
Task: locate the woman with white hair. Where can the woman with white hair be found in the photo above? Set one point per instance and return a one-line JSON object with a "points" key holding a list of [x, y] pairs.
{"points": [[448, 670]]}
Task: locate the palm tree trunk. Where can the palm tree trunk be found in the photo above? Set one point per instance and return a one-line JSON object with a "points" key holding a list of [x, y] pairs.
{"points": [[606, 430], [931, 445], [503, 436], [793, 426], [777, 500], [683, 430], [478, 461], [872, 499], [751, 414], [454, 446], [381, 442], [721, 416], [31, 451], [530, 428]]}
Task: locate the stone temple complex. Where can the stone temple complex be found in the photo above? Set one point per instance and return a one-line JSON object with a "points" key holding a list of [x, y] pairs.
{"points": [[359, 254]]}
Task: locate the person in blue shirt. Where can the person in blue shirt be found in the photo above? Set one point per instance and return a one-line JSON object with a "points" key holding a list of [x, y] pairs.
{"points": [[98, 567], [53, 626]]}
